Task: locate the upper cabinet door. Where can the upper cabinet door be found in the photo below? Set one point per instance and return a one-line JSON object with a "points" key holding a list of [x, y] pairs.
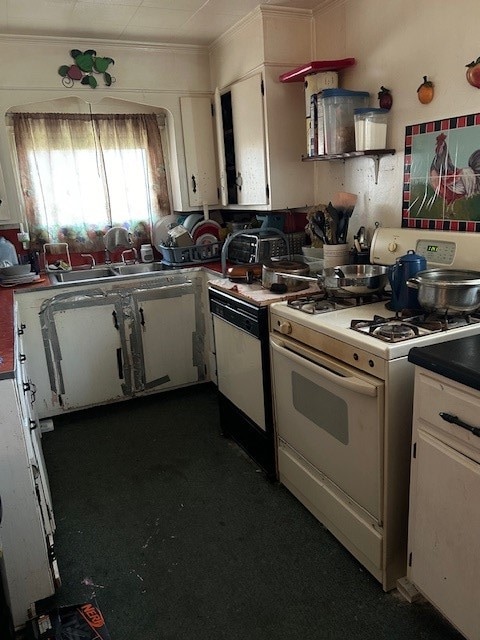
{"points": [[248, 122], [197, 126]]}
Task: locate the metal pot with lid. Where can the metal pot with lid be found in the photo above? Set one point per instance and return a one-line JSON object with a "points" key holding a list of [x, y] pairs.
{"points": [[278, 271], [447, 291]]}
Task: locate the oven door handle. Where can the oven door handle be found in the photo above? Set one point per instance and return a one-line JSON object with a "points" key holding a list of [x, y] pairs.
{"points": [[351, 383]]}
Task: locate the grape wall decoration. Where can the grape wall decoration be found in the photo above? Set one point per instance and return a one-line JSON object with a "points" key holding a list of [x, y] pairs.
{"points": [[85, 67]]}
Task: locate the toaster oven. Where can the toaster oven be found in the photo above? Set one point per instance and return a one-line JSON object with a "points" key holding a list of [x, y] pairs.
{"points": [[248, 248]]}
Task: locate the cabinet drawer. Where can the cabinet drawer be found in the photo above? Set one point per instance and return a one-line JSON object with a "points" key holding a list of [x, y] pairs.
{"points": [[436, 395]]}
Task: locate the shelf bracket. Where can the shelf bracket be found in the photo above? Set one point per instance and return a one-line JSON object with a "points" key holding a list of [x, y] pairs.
{"points": [[376, 162]]}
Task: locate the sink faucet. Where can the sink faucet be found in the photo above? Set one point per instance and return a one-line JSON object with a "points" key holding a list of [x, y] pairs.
{"points": [[92, 259], [133, 251]]}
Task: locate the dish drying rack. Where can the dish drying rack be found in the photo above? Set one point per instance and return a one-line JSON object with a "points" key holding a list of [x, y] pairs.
{"points": [[60, 248], [194, 254]]}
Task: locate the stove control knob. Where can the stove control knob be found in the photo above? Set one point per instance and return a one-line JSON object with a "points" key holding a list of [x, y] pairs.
{"points": [[285, 327], [392, 247]]}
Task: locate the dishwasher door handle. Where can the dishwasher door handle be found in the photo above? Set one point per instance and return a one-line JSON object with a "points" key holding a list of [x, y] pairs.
{"points": [[349, 382]]}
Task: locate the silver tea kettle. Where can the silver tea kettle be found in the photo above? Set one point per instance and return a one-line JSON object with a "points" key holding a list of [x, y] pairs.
{"points": [[403, 297]]}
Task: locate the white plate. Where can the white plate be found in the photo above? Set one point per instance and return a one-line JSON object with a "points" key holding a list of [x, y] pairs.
{"points": [[206, 238], [192, 220], [161, 228]]}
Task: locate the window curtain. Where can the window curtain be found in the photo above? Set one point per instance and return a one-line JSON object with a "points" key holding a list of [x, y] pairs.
{"points": [[82, 174]]}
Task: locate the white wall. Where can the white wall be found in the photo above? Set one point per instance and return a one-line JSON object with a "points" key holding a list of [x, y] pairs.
{"points": [[154, 76], [396, 43]]}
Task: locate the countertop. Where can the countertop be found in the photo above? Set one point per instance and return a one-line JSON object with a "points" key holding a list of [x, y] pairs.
{"points": [[7, 336], [255, 293], [457, 360]]}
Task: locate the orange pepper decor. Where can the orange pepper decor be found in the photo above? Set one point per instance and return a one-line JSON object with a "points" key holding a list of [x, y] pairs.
{"points": [[86, 65]]}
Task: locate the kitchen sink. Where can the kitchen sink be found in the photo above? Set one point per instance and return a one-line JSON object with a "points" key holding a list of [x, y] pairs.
{"points": [[82, 276], [131, 269], [112, 271]]}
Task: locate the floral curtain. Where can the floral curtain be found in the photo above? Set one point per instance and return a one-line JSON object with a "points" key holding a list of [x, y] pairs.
{"points": [[82, 174]]}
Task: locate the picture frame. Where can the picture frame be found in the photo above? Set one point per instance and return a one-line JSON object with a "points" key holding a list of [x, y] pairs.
{"points": [[441, 183]]}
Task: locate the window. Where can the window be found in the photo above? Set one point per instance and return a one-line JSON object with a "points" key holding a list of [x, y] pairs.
{"points": [[82, 174]]}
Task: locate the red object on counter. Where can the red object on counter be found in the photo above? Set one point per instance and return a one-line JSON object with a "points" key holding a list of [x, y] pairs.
{"points": [[317, 66]]}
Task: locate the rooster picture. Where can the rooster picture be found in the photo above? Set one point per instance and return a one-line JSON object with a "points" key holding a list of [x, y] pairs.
{"points": [[450, 182]]}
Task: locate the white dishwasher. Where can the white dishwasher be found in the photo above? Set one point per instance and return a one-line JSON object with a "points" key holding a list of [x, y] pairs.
{"points": [[243, 373]]}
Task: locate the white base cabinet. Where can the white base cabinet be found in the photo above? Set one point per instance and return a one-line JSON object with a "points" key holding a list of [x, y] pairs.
{"points": [[444, 521], [28, 524], [166, 327], [90, 345], [85, 351]]}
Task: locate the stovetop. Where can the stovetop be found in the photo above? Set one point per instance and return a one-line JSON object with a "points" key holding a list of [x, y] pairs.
{"points": [[372, 326]]}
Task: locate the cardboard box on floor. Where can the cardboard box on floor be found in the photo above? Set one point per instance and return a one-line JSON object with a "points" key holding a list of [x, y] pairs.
{"points": [[76, 621]]}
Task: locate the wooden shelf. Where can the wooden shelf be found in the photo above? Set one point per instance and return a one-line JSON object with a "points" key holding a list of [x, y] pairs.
{"points": [[375, 154]]}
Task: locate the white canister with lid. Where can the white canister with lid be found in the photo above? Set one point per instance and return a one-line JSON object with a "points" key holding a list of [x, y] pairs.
{"points": [[370, 128], [146, 253]]}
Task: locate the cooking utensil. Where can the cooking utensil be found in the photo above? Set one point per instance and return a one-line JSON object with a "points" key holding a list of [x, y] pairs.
{"points": [[362, 239], [357, 280], [447, 291], [270, 275], [344, 200]]}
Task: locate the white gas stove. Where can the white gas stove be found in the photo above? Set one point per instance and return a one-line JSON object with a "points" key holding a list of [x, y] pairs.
{"points": [[343, 393], [362, 327]]}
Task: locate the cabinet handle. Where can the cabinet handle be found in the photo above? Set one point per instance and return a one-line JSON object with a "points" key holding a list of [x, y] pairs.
{"points": [[142, 317], [194, 184], [455, 420], [239, 181], [115, 320], [120, 363]]}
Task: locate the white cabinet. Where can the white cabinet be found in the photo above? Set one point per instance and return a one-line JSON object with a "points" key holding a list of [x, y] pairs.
{"points": [[198, 139], [85, 349], [165, 326], [260, 143], [105, 346], [28, 524], [444, 521]]}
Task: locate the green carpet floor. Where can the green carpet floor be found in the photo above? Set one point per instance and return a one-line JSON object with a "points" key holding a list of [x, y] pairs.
{"points": [[179, 536]]}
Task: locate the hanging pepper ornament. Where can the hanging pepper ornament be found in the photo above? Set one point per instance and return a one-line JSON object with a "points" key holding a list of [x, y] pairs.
{"points": [[425, 91]]}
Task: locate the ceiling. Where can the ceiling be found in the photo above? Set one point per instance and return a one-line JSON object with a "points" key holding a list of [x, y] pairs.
{"points": [[197, 22]]}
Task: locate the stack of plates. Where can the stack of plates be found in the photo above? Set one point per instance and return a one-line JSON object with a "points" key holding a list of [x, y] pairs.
{"points": [[12, 281], [206, 232]]}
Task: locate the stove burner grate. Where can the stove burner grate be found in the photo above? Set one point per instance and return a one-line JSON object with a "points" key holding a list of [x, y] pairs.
{"points": [[407, 325]]}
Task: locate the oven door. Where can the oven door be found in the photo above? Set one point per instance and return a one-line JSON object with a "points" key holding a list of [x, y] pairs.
{"points": [[332, 416]]}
